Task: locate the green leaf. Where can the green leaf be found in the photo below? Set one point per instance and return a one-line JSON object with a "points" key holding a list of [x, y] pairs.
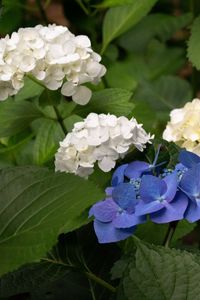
{"points": [[35, 205], [161, 26], [49, 97], [69, 121], [16, 116], [194, 44], [155, 233], [120, 19], [111, 3], [30, 90], [162, 98], [47, 141], [114, 101], [162, 274]]}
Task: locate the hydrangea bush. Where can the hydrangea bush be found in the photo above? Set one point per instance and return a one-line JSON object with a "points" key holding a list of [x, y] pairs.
{"points": [[99, 150]]}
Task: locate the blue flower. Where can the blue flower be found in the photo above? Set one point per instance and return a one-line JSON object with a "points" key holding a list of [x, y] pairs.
{"points": [[160, 199], [188, 159], [190, 184], [115, 217]]}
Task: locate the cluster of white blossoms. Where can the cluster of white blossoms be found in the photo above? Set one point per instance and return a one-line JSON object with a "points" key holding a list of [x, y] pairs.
{"points": [[184, 126], [99, 138], [54, 56]]}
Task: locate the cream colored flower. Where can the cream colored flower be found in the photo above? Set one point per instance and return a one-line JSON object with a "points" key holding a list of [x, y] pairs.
{"points": [[184, 126]]}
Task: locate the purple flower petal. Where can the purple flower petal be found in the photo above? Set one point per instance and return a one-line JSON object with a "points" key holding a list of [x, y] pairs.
{"points": [[125, 220], [124, 195], [118, 175], [105, 211], [172, 183], [152, 188], [190, 182], [144, 208], [172, 211], [188, 159], [192, 213], [135, 169], [107, 233]]}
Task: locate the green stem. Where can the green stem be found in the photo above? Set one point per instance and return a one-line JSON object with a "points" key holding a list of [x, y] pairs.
{"points": [[84, 8], [42, 12], [170, 233], [31, 77], [89, 275], [60, 120]]}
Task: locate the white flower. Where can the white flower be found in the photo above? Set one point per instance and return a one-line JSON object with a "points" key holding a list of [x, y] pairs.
{"points": [[99, 138], [184, 126], [53, 55]]}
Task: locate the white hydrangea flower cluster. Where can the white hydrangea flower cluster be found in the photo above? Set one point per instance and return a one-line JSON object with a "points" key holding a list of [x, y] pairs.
{"points": [[53, 55], [99, 138], [184, 126]]}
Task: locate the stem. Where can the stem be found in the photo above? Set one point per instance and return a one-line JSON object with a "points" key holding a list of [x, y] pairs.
{"points": [[60, 120], [84, 8], [31, 77], [170, 233], [42, 12], [100, 281], [89, 275]]}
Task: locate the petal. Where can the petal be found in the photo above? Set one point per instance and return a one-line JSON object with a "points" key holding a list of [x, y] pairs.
{"points": [[105, 211], [107, 233], [144, 208], [118, 175], [190, 182], [125, 220], [152, 188], [82, 95], [172, 183], [188, 159], [135, 169], [172, 211], [192, 213], [68, 89], [124, 195], [106, 164]]}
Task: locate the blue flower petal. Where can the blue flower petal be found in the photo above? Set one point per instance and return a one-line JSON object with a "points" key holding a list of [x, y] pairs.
{"points": [[172, 183], [192, 213], [105, 211], [107, 233], [136, 169], [144, 208], [125, 220], [172, 211], [124, 195], [118, 175], [152, 188], [188, 159], [190, 182]]}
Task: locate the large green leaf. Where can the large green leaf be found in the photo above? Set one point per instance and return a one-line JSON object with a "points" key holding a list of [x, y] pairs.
{"points": [[194, 44], [161, 26], [31, 89], [111, 3], [120, 19], [47, 140], [114, 101], [35, 204], [164, 94], [16, 116], [161, 274]]}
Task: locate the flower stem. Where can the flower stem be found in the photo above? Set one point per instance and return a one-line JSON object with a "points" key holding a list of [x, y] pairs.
{"points": [[60, 120], [170, 233], [89, 275], [42, 12]]}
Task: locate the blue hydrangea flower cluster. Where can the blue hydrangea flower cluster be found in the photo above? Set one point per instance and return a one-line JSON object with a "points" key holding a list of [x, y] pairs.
{"points": [[140, 190]]}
